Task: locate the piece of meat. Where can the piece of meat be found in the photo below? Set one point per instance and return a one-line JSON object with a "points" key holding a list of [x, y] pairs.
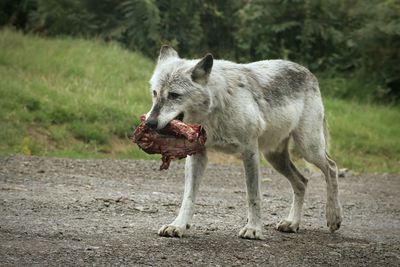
{"points": [[175, 141]]}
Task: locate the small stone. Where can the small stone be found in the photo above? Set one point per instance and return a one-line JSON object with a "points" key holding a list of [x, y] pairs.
{"points": [[342, 173]]}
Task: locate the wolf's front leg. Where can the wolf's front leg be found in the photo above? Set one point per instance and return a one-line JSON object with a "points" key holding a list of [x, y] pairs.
{"points": [[253, 228], [194, 169]]}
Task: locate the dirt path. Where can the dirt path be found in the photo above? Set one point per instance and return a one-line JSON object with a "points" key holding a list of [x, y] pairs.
{"points": [[107, 212]]}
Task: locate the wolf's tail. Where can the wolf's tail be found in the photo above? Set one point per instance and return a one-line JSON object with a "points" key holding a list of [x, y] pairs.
{"points": [[326, 135]]}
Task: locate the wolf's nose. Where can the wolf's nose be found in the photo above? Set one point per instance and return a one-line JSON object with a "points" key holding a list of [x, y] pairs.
{"points": [[151, 123]]}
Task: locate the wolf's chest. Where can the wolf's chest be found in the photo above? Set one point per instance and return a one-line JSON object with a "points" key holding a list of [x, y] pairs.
{"points": [[223, 142]]}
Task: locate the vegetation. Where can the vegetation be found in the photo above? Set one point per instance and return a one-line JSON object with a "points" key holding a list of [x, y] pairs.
{"points": [[364, 136], [356, 39], [69, 97], [79, 98]]}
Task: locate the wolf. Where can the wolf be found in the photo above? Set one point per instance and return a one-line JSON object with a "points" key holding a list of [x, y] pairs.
{"points": [[247, 109]]}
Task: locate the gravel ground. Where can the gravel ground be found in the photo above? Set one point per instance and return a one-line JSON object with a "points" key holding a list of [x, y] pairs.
{"points": [[64, 212]]}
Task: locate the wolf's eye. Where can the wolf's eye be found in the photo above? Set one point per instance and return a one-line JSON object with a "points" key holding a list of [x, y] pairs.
{"points": [[173, 96], [154, 93]]}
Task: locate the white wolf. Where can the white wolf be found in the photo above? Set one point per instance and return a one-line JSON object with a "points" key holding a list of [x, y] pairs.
{"points": [[246, 109]]}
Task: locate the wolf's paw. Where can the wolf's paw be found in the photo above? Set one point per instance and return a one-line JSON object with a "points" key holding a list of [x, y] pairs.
{"points": [[287, 226], [333, 217], [249, 232], [171, 231]]}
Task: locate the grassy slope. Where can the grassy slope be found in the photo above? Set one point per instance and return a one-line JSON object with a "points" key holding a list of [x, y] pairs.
{"points": [[364, 137], [68, 97]]}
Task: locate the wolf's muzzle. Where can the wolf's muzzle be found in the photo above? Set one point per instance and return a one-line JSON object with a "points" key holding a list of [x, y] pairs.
{"points": [[152, 123]]}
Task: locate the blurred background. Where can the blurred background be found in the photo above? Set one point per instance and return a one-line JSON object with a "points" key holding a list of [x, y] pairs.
{"points": [[74, 73]]}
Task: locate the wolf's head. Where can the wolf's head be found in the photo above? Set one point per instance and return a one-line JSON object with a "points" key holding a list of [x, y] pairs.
{"points": [[179, 89]]}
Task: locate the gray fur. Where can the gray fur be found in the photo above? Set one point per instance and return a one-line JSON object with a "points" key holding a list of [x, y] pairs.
{"points": [[247, 108]]}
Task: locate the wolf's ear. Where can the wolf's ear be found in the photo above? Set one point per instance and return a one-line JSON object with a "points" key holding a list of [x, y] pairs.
{"points": [[202, 69], [167, 52]]}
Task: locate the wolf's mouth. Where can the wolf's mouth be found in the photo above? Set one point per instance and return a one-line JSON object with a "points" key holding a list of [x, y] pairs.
{"points": [[180, 116]]}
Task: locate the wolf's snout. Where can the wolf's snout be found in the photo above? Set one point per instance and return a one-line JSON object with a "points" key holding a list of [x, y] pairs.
{"points": [[152, 123]]}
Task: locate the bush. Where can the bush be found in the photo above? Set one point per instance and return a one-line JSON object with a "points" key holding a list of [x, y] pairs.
{"points": [[89, 133], [358, 38], [60, 115]]}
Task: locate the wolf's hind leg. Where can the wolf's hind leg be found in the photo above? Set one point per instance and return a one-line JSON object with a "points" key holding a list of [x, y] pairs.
{"points": [[280, 160], [194, 169], [333, 207], [312, 146]]}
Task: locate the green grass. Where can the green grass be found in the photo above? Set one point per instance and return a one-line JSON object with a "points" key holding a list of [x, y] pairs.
{"points": [[69, 97], [365, 137], [79, 98]]}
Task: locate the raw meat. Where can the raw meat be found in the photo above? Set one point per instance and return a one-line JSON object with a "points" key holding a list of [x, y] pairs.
{"points": [[175, 141]]}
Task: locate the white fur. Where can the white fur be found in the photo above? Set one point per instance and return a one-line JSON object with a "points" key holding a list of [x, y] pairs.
{"points": [[246, 108]]}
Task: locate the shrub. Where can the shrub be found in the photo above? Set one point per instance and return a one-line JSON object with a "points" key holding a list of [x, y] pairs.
{"points": [[89, 133]]}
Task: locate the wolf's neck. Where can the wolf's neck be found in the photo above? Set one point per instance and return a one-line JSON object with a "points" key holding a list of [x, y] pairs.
{"points": [[220, 87]]}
